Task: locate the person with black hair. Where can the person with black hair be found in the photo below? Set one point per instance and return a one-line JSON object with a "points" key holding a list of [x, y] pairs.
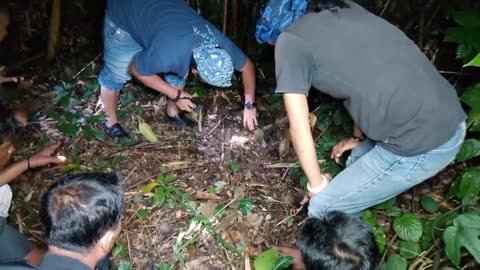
{"points": [[335, 241], [408, 121], [82, 218]]}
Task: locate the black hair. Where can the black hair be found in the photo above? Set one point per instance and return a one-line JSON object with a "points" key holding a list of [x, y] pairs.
{"points": [[80, 209], [338, 242], [321, 5]]}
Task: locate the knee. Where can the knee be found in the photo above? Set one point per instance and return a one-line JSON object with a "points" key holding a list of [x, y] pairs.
{"points": [[5, 200]]}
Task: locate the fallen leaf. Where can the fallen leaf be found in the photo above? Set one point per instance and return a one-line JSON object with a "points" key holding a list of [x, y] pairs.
{"points": [[254, 220], [147, 131], [201, 195]]}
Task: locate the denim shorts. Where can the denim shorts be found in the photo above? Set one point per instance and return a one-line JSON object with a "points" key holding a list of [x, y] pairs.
{"points": [[119, 49]]}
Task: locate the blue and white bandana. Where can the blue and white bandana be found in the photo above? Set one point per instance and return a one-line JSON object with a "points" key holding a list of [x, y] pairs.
{"points": [[278, 16], [214, 64]]}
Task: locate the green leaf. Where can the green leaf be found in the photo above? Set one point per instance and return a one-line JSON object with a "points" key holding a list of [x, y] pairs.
{"points": [[171, 203], [465, 232], [142, 214], [370, 218], [68, 128], [169, 178], [159, 197], [393, 212], [467, 18], [469, 187], [380, 238], [409, 250], [245, 206], [147, 132], [93, 85], [429, 204], [386, 204], [98, 134], [473, 119], [283, 263], [234, 167], [470, 149], [125, 266], [395, 262], [408, 227], [427, 237], [266, 260], [471, 97], [120, 250], [148, 188], [219, 210], [475, 62]]}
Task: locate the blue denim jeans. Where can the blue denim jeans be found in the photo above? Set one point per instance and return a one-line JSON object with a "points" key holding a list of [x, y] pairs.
{"points": [[119, 49], [374, 175]]}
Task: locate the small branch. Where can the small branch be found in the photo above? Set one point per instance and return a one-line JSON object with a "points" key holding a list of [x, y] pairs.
{"points": [[388, 247], [291, 216], [85, 67]]}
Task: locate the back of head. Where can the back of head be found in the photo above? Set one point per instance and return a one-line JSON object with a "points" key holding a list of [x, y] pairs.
{"points": [[338, 242], [79, 210], [321, 5]]}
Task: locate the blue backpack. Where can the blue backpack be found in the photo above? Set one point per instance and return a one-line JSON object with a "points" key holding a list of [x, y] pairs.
{"points": [[277, 16]]}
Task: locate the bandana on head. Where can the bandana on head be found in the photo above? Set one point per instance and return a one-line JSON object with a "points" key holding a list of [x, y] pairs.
{"points": [[278, 16], [214, 64]]}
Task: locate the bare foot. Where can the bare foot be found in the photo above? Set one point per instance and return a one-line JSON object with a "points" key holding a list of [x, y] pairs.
{"points": [[296, 254]]}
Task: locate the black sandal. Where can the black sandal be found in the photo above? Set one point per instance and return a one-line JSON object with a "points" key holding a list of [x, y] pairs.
{"points": [[115, 132], [182, 120]]}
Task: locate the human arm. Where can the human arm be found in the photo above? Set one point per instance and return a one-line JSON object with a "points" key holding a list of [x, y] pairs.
{"points": [[297, 111], [42, 158], [248, 79], [347, 143], [158, 84]]}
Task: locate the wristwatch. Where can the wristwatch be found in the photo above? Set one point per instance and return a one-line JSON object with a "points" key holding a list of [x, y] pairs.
{"points": [[249, 105]]}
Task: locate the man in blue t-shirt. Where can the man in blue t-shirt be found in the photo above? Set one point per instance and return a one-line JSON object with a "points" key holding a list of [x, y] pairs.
{"points": [[158, 41]]}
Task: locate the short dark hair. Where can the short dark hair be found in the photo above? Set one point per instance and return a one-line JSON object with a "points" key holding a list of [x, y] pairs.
{"points": [[80, 209], [338, 241], [320, 5]]}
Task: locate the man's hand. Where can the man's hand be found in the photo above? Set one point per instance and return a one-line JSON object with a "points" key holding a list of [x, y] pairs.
{"points": [[185, 103], [326, 178], [250, 118], [344, 145], [46, 156]]}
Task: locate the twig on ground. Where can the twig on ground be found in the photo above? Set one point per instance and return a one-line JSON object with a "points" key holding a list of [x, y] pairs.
{"points": [[248, 265], [128, 245], [85, 67], [130, 174], [388, 247], [291, 216], [216, 126], [286, 165]]}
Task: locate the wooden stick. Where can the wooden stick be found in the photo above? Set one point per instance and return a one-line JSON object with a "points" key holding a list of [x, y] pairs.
{"points": [[286, 165], [55, 21], [85, 67]]}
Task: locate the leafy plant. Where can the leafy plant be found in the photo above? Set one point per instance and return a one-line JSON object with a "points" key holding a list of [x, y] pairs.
{"points": [[125, 266], [270, 260], [245, 206], [408, 227], [120, 249], [464, 232], [164, 192]]}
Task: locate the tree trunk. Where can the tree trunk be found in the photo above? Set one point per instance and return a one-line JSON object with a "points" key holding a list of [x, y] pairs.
{"points": [[55, 21]]}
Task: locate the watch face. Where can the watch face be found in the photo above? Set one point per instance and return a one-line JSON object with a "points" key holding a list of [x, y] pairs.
{"points": [[248, 105]]}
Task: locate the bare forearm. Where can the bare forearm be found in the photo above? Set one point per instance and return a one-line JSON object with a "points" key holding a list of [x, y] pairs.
{"points": [[248, 79], [297, 110], [357, 132], [155, 82], [13, 171]]}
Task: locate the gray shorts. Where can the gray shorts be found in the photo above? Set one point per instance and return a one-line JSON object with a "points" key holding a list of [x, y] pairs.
{"points": [[13, 244]]}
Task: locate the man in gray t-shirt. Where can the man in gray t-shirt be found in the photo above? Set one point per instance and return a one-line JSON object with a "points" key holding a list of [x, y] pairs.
{"points": [[409, 123]]}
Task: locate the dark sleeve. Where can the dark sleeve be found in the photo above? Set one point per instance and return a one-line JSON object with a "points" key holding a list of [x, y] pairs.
{"points": [[293, 65], [237, 55]]}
